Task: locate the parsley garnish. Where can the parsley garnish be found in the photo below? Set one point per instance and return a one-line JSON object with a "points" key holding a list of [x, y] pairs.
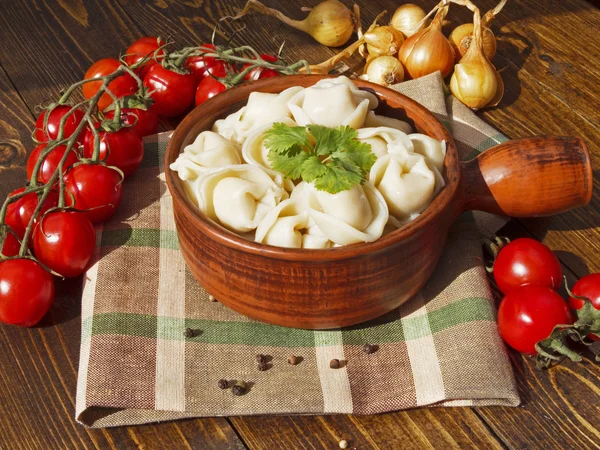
{"points": [[331, 158]]}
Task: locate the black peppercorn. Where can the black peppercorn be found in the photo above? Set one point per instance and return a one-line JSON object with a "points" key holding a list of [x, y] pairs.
{"points": [[334, 364], [239, 388], [262, 366], [223, 384], [190, 333], [369, 348], [261, 359]]}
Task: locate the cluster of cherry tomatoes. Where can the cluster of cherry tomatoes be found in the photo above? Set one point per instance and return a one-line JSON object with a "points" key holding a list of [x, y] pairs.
{"points": [[63, 239], [528, 274]]}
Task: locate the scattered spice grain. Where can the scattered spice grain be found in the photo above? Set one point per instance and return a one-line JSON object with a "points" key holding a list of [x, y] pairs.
{"points": [[334, 364], [223, 384], [369, 348], [239, 388], [293, 360]]}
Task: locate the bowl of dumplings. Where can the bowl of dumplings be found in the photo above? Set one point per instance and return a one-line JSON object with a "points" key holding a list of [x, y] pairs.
{"points": [[282, 251]]}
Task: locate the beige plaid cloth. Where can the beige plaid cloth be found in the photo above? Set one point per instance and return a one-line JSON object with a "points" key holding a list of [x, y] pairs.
{"points": [[442, 348]]}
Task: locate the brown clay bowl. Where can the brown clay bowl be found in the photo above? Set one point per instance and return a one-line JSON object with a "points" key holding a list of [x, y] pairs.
{"points": [[321, 289]]}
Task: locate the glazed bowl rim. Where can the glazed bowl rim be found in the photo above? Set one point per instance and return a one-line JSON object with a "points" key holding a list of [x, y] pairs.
{"points": [[221, 235]]}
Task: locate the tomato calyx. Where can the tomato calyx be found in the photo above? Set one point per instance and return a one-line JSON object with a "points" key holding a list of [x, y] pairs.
{"points": [[552, 349], [494, 247]]}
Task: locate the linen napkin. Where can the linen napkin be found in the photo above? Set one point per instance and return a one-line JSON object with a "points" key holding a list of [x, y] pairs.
{"points": [[442, 348]]}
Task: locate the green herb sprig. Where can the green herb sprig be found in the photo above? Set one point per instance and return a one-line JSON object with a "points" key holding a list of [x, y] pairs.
{"points": [[331, 158]]}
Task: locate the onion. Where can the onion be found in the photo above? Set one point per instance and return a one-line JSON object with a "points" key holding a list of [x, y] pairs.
{"points": [[428, 50], [329, 23], [384, 70], [406, 18], [462, 37], [383, 41], [475, 80]]}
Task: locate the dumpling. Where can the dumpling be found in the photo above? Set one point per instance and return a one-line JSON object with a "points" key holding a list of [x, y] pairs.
{"points": [[332, 102], [406, 182], [374, 120], [358, 214], [254, 151], [208, 151], [239, 197], [384, 140], [262, 108], [289, 225], [433, 150]]}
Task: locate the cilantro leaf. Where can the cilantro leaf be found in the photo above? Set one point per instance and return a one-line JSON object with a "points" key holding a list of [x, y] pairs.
{"points": [[312, 169], [283, 139], [337, 179], [290, 166], [334, 163]]}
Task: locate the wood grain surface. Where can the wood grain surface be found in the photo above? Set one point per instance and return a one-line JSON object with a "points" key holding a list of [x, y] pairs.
{"points": [[548, 52]]}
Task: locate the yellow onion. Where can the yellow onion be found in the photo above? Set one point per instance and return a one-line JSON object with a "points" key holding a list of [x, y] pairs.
{"points": [[462, 37], [383, 41], [475, 80], [384, 70], [428, 50], [406, 18], [329, 23]]}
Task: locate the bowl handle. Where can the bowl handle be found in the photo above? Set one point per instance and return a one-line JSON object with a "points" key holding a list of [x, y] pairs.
{"points": [[529, 177]]}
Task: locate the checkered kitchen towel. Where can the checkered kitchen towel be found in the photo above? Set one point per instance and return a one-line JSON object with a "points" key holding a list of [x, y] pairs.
{"points": [[441, 348]]}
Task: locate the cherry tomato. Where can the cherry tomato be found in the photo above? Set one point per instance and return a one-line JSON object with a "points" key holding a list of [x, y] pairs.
{"points": [[64, 241], [96, 189], [143, 122], [528, 314], [208, 88], [201, 66], [19, 213], [123, 149], [589, 287], [526, 261], [141, 48], [261, 72], [50, 163], [26, 292], [173, 93], [11, 246], [120, 87], [51, 132]]}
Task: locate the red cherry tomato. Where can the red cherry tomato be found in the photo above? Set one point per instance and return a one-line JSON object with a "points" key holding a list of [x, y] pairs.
{"points": [[528, 314], [120, 87], [173, 93], [141, 48], [123, 149], [50, 163], [64, 241], [51, 132], [19, 213], [526, 261], [11, 246], [96, 189], [26, 292], [261, 72], [589, 287], [201, 66], [208, 88], [142, 122]]}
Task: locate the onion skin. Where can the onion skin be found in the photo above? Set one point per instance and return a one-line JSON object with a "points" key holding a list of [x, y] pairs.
{"points": [[426, 52], [384, 70], [462, 37], [474, 81], [406, 17], [383, 41]]}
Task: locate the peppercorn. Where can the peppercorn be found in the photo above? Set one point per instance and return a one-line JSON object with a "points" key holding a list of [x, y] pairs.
{"points": [[293, 360], [262, 366], [190, 333], [261, 358], [334, 364], [370, 348], [223, 384], [239, 388]]}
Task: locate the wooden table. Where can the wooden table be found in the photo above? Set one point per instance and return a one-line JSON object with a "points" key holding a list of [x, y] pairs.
{"points": [[548, 52]]}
